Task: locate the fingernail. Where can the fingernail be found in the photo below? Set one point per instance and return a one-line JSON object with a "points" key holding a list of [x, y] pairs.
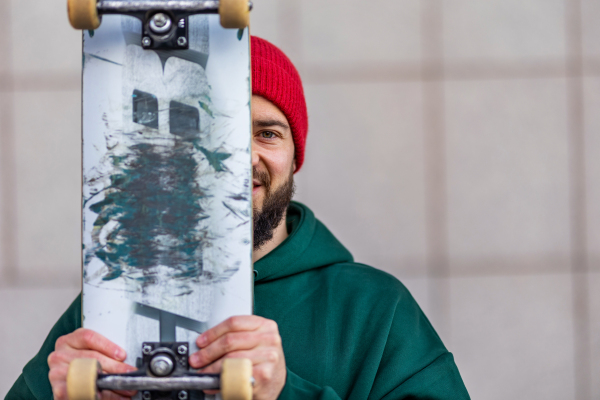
{"points": [[194, 360], [201, 340], [120, 354]]}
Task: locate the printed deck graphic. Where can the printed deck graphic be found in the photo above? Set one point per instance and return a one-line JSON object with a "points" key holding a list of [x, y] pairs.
{"points": [[167, 233]]}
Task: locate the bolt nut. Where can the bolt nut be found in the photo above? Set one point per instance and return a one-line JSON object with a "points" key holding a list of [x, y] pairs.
{"points": [[147, 349], [182, 395], [161, 365], [182, 349], [181, 41], [146, 41], [160, 23], [160, 20], [146, 396]]}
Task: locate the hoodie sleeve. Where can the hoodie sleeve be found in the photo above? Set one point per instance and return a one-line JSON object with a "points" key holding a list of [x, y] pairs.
{"points": [[19, 390], [414, 363], [439, 380], [297, 388], [391, 352]]}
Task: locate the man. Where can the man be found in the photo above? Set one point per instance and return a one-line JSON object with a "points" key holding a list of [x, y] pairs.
{"points": [[324, 327]]}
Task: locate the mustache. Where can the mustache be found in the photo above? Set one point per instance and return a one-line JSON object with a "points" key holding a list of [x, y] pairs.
{"points": [[262, 177]]}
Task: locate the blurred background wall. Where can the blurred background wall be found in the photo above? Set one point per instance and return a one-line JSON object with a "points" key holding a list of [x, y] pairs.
{"points": [[454, 144]]}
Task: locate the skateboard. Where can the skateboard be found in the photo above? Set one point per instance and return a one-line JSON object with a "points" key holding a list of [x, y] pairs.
{"points": [[166, 189]]}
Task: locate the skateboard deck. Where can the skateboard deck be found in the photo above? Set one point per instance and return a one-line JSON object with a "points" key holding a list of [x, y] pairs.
{"points": [[166, 196]]}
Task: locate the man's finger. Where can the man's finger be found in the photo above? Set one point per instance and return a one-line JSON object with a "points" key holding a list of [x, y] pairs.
{"points": [[213, 368], [58, 373], [233, 324], [110, 395], [225, 344], [59, 390], [107, 364], [256, 356], [86, 339], [126, 393], [260, 360]]}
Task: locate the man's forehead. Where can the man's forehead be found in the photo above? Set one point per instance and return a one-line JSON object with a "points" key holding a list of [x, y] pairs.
{"points": [[266, 114]]}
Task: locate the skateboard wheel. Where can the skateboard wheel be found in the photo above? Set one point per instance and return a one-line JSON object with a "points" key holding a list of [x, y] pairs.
{"points": [[234, 13], [81, 379], [236, 377], [83, 14]]}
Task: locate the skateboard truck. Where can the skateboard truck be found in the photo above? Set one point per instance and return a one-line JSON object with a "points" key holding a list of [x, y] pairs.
{"points": [[164, 23], [164, 374], [163, 369]]}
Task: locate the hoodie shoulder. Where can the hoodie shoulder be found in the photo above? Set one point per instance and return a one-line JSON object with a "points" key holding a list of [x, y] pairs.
{"points": [[310, 245], [370, 281], [323, 247]]}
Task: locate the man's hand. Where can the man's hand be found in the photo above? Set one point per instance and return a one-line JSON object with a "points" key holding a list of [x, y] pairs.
{"points": [[84, 343], [247, 336]]}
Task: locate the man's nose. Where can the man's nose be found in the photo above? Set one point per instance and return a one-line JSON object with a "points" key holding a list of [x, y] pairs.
{"points": [[255, 158]]}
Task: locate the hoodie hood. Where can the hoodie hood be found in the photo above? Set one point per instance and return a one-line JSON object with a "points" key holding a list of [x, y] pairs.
{"points": [[309, 245]]}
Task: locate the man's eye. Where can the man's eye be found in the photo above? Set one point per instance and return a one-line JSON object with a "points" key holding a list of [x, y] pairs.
{"points": [[268, 134]]}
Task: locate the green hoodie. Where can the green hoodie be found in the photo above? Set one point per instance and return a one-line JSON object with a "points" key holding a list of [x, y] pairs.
{"points": [[348, 330]]}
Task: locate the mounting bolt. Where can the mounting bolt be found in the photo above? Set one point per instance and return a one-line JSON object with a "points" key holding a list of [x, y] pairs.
{"points": [[160, 23], [181, 23], [182, 395], [146, 41], [182, 349], [181, 41], [146, 396], [147, 349], [161, 365]]}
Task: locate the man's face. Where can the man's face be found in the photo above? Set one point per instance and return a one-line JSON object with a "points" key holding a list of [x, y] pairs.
{"points": [[273, 166]]}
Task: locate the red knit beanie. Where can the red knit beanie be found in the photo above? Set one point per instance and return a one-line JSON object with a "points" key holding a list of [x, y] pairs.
{"points": [[275, 78]]}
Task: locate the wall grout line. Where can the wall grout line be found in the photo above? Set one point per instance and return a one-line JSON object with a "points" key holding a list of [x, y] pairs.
{"points": [[8, 239], [576, 145], [323, 75], [7, 166], [289, 13], [435, 164], [289, 20], [319, 74], [52, 82], [461, 72]]}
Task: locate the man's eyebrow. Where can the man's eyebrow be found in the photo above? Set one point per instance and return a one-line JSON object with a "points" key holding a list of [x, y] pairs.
{"points": [[265, 123]]}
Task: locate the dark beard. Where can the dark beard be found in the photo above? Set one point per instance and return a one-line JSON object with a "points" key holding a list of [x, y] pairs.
{"points": [[274, 206]]}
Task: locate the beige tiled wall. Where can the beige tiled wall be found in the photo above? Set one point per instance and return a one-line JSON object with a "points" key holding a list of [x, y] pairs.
{"points": [[503, 30], [453, 144], [365, 156], [3, 185], [336, 33], [43, 42], [48, 191], [592, 158], [507, 172], [594, 313], [590, 28], [512, 335]]}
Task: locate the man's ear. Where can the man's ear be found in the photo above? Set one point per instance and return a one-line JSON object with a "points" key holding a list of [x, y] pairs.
{"points": [[294, 165]]}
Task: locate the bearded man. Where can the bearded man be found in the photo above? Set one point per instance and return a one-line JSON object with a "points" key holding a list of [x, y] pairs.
{"points": [[324, 327]]}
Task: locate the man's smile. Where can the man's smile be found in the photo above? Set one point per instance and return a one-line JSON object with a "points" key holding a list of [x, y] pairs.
{"points": [[260, 179], [256, 185]]}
